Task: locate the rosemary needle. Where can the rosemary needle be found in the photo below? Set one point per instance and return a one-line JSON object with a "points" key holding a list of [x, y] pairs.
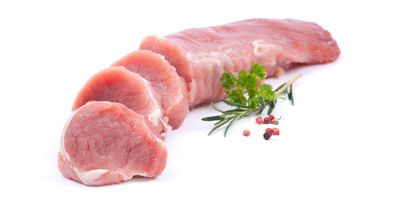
{"points": [[259, 96]]}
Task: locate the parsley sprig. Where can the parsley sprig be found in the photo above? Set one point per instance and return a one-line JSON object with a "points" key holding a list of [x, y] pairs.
{"points": [[248, 94]]}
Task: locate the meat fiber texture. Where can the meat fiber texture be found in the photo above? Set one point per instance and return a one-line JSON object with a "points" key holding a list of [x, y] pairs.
{"points": [[115, 130], [118, 84], [106, 143], [165, 81], [201, 55]]}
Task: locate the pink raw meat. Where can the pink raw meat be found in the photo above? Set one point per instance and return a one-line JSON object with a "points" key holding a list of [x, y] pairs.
{"points": [[106, 143], [114, 132], [165, 81], [118, 84], [201, 55]]}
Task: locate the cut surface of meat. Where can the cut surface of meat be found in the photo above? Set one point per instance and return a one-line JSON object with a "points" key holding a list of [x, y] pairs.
{"points": [[106, 143], [118, 84], [165, 81], [201, 55]]}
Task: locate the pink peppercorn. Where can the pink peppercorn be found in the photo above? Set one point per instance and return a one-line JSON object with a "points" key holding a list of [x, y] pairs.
{"points": [[246, 133], [275, 131], [259, 120], [271, 117]]}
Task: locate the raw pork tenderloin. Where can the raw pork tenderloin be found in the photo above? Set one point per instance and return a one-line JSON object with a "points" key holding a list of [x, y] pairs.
{"points": [[114, 132]]}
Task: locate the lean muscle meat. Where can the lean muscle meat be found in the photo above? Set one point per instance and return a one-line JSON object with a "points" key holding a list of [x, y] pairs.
{"points": [[165, 81], [201, 55], [106, 142], [117, 84]]}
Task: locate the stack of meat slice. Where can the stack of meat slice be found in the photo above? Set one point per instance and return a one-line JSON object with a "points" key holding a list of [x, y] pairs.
{"points": [[122, 112]]}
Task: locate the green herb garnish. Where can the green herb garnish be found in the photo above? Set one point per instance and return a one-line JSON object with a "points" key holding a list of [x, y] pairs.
{"points": [[249, 95]]}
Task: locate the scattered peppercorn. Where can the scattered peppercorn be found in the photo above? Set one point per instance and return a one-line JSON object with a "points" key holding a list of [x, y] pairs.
{"points": [[275, 131], [259, 120], [246, 133], [266, 120], [271, 117], [267, 135]]}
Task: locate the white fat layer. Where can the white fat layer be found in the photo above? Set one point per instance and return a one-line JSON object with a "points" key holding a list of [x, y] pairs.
{"points": [[144, 174], [261, 48], [156, 115], [166, 62], [265, 53], [91, 177], [180, 95]]}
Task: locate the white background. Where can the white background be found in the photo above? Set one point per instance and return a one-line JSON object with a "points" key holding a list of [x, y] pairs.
{"points": [[340, 141]]}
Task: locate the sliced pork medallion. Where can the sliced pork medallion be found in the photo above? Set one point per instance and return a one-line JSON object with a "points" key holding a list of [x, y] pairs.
{"points": [[106, 143], [201, 55], [165, 81], [118, 84]]}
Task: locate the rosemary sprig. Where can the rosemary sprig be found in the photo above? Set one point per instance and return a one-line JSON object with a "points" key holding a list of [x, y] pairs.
{"points": [[259, 96]]}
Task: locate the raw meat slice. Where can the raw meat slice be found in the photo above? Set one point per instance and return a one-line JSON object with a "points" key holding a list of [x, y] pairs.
{"points": [[165, 81], [106, 143], [118, 84], [201, 55]]}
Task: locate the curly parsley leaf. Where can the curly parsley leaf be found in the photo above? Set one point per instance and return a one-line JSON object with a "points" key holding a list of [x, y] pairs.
{"points": [[247, 92]]}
